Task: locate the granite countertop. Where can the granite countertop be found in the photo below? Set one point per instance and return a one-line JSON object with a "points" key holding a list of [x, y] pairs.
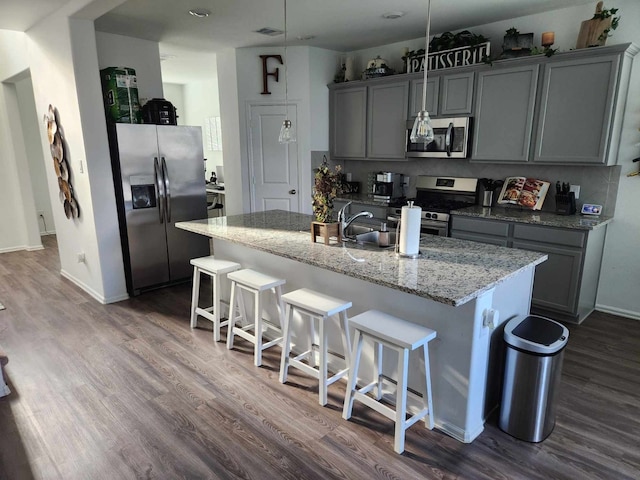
{"points": [[449, 270], [548, 219]]}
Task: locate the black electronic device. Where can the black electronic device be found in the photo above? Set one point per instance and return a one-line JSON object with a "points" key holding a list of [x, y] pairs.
{"points": [[159, 111]]}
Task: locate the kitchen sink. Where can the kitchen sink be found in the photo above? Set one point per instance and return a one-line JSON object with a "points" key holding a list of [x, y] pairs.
{"points": [[364, 235]]}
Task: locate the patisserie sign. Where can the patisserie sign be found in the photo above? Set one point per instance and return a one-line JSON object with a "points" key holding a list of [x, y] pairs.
{"points": [[456, 57]]}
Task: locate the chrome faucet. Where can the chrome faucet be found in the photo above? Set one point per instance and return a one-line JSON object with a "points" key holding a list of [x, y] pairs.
{"points": [[345, 222]]}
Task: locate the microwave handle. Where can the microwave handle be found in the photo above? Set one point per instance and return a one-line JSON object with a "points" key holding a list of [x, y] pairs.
{"points": [[447, 138]]}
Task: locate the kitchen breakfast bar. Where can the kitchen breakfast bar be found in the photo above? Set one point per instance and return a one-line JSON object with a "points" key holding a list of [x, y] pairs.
{"points": [[463, 290]]}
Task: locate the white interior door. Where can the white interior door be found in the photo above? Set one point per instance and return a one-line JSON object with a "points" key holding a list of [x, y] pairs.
{"points": [[274, 166]]}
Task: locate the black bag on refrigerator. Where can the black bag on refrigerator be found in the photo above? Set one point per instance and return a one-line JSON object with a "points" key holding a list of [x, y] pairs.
{"points": [[159, 111]]}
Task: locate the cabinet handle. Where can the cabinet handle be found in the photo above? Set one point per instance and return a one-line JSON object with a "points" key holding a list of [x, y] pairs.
{"points": [[293, 191]]}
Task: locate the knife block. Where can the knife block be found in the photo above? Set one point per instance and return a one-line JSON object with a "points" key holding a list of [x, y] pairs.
{"points": [[566, 203]]}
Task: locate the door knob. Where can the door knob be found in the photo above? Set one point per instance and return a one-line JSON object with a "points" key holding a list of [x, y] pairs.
{"points": [[292, 191]]}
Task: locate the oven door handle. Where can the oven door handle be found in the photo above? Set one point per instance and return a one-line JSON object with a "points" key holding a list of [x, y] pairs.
{"points": [[447, 138]]}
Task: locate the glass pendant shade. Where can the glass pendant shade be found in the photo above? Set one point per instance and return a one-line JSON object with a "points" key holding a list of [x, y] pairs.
{"points": [[287, 132], [422, 131]]}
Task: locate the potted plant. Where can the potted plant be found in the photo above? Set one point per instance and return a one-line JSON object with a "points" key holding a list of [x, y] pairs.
{"points": [[326, 187]]}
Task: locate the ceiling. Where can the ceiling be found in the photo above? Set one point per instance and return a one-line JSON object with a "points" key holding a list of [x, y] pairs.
{"points": [[341, 25]]}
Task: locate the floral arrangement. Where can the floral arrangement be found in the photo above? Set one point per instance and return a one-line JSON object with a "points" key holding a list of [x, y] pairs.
{"points": [[326, 187]]}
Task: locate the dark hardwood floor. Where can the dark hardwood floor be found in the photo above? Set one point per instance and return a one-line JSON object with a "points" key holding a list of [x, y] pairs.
{"points": [[129, 391]]}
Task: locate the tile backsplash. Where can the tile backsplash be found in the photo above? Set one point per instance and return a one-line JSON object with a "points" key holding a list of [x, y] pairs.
{"points": [[598, 185]]}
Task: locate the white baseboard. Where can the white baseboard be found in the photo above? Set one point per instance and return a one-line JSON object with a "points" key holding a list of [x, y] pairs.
{"points": [[92, 292], [17, 248], [35, 248], [618, 311], [47, 232]]}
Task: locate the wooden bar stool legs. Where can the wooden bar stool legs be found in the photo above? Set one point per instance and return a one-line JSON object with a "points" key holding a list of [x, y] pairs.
{"points": [[403, 337]]}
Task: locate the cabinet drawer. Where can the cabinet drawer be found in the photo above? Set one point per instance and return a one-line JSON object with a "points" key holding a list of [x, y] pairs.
{"points": [[476, 237], [475, 225], [549, 235]]}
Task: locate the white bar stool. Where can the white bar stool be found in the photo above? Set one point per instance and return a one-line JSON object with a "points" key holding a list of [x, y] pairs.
{"points": [[314, 305], [215, 269], [403, 337], [255, 283]]}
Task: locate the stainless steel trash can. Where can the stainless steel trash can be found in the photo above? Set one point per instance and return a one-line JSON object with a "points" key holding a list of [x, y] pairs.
{"points": [[535, 348]]}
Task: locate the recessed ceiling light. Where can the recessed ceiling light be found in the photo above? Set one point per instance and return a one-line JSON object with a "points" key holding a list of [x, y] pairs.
{"points": [[272, 32], [306, 37], [200, 12], [393, 15]]}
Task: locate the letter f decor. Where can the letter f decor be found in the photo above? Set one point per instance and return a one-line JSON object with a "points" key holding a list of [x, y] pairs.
{"points": [[266, 74]]}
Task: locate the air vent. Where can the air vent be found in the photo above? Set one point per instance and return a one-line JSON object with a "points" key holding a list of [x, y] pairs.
{"points": [[272, 32]]}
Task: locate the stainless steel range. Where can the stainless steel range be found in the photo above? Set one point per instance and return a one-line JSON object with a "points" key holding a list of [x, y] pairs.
{"points": [[437, 196]]}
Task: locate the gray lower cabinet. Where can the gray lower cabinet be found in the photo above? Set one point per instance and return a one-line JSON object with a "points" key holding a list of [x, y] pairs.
{"points": [[348, 122], [565, 286], [503, 124]]}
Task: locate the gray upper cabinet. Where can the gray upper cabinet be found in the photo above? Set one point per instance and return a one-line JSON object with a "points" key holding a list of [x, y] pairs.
{"points": [[368, 121], [433, 92], [564, 110], [386, 120], [348, 122], [505, 101], [457, 94], [575, 110]]}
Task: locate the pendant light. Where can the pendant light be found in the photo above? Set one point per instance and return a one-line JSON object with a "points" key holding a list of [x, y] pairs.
{"points": [[422, 131], [287, 131]]}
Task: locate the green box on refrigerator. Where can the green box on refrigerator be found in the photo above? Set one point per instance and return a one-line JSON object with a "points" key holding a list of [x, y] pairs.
{"points": [[120, 92]]}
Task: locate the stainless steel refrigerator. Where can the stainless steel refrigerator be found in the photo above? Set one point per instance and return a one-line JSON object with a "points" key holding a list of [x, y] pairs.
{"points": [[159, 178]]}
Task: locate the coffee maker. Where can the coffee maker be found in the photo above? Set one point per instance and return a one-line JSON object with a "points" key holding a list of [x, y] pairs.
{"points": [[387, 187]]}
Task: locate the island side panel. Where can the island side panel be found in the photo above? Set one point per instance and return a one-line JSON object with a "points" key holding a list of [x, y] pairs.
{"points": [[459, 368]]}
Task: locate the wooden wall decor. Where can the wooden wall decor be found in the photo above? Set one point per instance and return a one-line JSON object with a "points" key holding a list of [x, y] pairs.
{"points": [[60, 163]]}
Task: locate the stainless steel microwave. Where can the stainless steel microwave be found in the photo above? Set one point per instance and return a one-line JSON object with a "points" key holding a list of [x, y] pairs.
{"points": [[451, 139]]}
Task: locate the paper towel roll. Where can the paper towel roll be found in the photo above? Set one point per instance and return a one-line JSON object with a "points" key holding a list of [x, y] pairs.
{"points": [[409, 243]]}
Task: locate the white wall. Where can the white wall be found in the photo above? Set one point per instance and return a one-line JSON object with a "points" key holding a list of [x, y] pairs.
{"points": [[200, 102], [226, 61], [141, 55], [36, 160], [323, 65], [309, 71], [51, 56], [620, 275], [174, 92], [14, 231]]}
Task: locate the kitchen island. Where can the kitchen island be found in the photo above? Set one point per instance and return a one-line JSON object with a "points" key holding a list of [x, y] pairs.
{"points": [[463, 290]]}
